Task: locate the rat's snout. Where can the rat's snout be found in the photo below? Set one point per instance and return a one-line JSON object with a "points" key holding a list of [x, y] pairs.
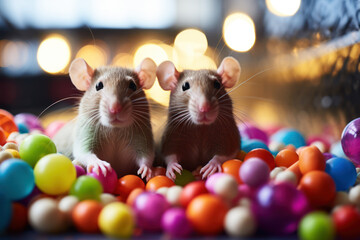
{"points": [[204, 107], [115, 107]]}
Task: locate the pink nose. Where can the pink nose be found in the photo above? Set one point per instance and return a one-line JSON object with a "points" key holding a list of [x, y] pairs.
{"points": [[204, 108], [115, 108]]}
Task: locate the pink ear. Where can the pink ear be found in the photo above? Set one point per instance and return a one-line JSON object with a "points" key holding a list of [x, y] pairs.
{"points": [[147, 73], [167, 75], [229, 71], [81, 74]]}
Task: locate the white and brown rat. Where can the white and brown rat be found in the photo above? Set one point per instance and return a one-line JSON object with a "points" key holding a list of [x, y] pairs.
{"points": [[200, 129], [113, 124]]}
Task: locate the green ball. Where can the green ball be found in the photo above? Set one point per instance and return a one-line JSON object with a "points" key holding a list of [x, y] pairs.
{"points": [[317, 226], [185, 178], [35, 147], [86, 187]]}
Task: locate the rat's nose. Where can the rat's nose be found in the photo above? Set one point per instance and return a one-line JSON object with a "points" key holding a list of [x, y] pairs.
{"points": [[115, 108], [204, 107]]}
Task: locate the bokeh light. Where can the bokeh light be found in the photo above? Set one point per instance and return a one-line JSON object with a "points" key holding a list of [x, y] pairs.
{"points": [[239, 32], [283, 8], [191, 41], [54, 54], [15, 54], [123, 60], [94, 55]]}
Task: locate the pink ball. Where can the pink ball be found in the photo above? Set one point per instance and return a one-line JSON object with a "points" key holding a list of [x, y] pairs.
{"points": [[175, 223], [249, 131], [53, 128], [254, 172], [109, 182], [210, 182], [149, 208], [79, 171]]}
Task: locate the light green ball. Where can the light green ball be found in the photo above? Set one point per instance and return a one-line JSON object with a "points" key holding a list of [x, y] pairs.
{"points": [[317, 226]]}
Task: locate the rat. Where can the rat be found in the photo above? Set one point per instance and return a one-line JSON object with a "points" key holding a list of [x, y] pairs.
{"points": [[112, 129], [200, 130]]}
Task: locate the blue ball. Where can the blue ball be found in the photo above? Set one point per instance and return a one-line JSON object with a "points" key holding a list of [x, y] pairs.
{"points": [[289, 136], [22, 128], [337, 150], [16, 179], [342, 171], [249, 144], [5, 212]]}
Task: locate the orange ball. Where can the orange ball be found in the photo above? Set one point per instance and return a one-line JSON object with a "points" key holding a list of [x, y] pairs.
{"points": [[7, 122], [133, 195], [206, 214], [85, 216], [128, 183], [296, 170], [3, 137], [262, 154], [286, 158], [232, 168], [319, 188], [311, 159], [158, 182], [19, 219]]}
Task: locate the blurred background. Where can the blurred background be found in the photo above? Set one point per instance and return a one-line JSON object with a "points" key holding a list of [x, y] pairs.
{"points": [[299, 58]]}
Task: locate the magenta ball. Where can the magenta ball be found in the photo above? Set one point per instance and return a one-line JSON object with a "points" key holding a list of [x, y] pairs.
{"points": [[109, 182], [350, 141], [254, 172], [251, 132], [53, 128], [210, 182], [278, 208], [79, 171], [149, 208], [30, 120], [175, 223]]}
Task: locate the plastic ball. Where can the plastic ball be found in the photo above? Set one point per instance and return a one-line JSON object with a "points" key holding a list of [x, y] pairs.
{"points": [[263, 154], [149, 208], [54, 174], [249, 144], [311, 159], [14, 153], [175, 223], [286, 176], [173, 195], [184, 178], [275, 172], [16, 179], [251, 132], [4, 155], [289, 136], [44, 216], [210, 181], [354, 195], [22, 128], [106, 198], [85, 216], [133, 195], [67, 204], [128, 183], [286, 158], [156, 171], [337, 150], [319, 188], [117, 220], [347, 221], [232, 168], [341, 198], [279, 208], [30, 120], [7, 122], [226, 187], [316, 226], [79, 171], [53, 128], [192, 190], [109, 182], [5, 212], [157, 182], [350, 140], [240, 222], [207, 214], [35, 147], [19, 219], [3, 137], [86, 187], [342, 171], [254, 172]]}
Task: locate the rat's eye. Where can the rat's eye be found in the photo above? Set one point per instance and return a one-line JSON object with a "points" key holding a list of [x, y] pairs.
{"points": [[217, 85], [99, 86], [185, 86], [132, 85]]}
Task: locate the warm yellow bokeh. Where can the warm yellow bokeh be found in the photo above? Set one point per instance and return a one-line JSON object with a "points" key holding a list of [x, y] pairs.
{"points": [[123, 60], [283, 8], [191, 41], [94, 55]]}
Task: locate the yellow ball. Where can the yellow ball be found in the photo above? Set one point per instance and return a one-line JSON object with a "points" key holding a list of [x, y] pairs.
{"points": [[117, 220], [54, 174], [13, 152]]}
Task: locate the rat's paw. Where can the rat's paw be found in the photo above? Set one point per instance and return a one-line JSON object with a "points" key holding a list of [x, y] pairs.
{"points": [[95, 165], [145, 171], [212, 167], [171, 168]]}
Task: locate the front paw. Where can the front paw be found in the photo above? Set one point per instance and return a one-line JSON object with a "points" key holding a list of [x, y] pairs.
{"points": [[145, 171], [212, 167], [171, 168], [94, 164]]}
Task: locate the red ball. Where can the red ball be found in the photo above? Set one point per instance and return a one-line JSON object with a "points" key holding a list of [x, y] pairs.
{"points": [[347, 221], [128, 183], [85, 216], [192, 190], [263, 154], [19, 219]]}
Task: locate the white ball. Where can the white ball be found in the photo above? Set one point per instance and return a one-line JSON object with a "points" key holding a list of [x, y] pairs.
{"points": [[106, 198], [341, 198], [286, 176], [240, 222], [44, 216], [67, 204], [162, 191], [275, 172], [354, 195], [173, 195], [226, 187]]}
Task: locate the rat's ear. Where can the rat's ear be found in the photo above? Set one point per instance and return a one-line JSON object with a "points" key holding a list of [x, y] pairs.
{"points": [[167, 75], [229, 71], [81, 74], [147, 73]]}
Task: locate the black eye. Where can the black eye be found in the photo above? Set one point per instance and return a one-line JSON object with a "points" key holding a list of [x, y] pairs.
{"points": [[99, 86], [185, 86], [132, 85], [217, 84]]}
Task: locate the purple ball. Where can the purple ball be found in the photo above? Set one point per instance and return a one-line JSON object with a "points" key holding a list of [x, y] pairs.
{"points": [[79, 171], [328, 156], [149, 208], [279, 208], [109, 182], [254, 172], [30, 120], [175, 223], [251, 132], [350, 141]]}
